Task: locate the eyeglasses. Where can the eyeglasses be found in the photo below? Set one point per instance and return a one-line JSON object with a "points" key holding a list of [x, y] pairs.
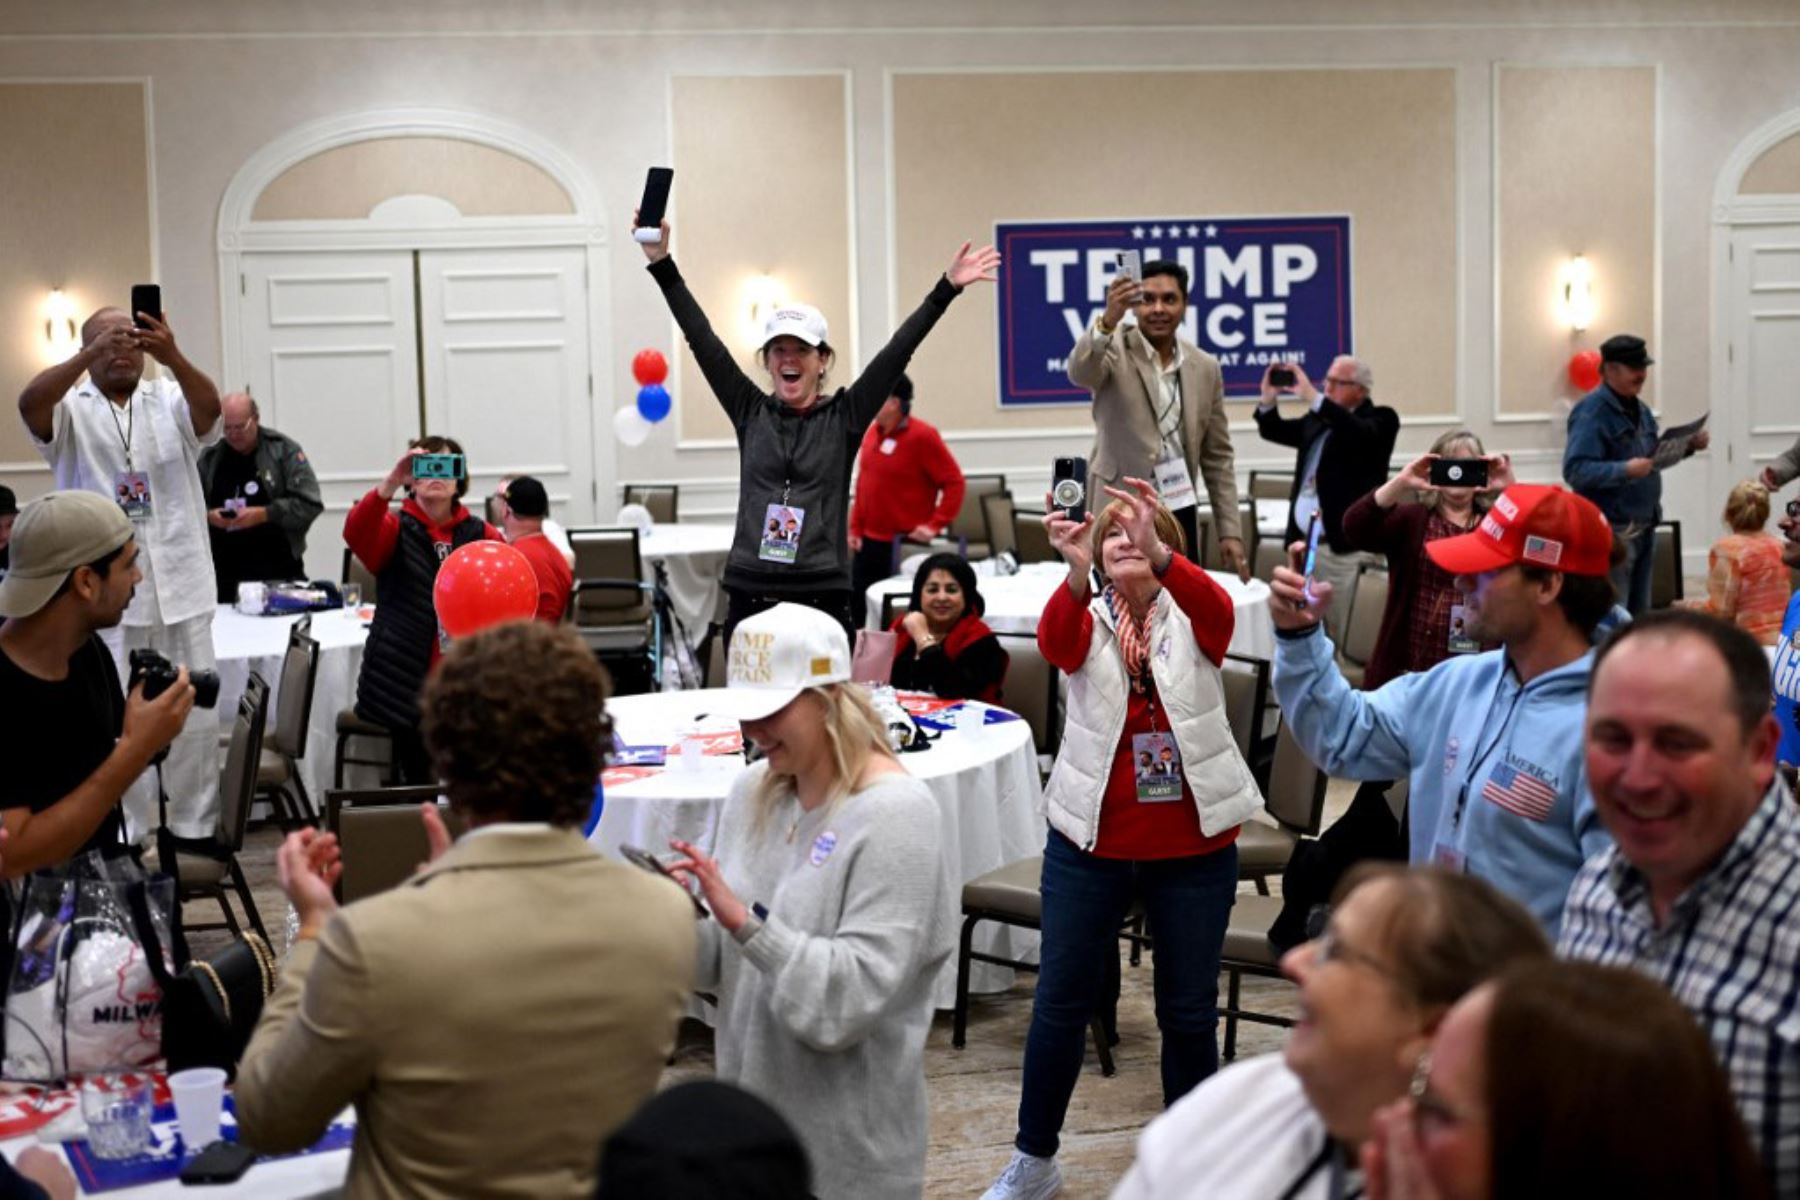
{"points": [[1793, 509], [1328, 947], [1328, 381], [1430, 1112]]}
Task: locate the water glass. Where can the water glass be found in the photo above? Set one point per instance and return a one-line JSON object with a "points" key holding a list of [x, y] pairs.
{"points": [[117, 1111], [352, 595]]}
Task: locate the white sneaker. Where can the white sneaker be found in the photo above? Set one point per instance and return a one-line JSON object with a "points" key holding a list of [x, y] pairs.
{"points": [[1027, 1177]]}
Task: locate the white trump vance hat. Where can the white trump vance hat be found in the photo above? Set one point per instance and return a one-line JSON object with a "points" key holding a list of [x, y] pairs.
{"points": [[778, 654], [795, 320]]}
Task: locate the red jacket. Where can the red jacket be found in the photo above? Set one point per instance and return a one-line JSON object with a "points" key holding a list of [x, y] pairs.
{"points": [[917, 483]]}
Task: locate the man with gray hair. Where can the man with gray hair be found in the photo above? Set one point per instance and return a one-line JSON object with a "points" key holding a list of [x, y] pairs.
{"points": [[1342, 442], [261, 498]]}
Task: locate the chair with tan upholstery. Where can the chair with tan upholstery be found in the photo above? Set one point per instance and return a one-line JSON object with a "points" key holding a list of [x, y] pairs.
{"points": [[1362, 624], [278, 773], [381, 835], [1295, 798], [206, 868], [1248, 951]]}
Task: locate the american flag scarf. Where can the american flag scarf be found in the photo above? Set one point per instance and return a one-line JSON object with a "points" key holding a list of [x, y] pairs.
{"points": [[1134, 638]]}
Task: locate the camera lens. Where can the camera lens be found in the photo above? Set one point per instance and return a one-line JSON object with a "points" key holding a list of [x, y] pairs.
{"points": [[1067, 492], [206, 688]]}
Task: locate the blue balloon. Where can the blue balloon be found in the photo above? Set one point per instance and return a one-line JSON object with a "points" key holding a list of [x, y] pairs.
{"points": [[653, 402]]}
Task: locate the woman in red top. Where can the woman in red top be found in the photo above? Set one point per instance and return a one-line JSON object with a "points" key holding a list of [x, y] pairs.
{"points": [[404, 551], [1143, 659]]}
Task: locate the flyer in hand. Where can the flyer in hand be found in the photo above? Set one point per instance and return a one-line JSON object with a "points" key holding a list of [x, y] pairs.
{"points": [[1675, 444]]}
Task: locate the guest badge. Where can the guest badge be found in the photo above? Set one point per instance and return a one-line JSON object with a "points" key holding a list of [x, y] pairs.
{"points": [[781, 533], [1156, 767], [132, 490], [1173, 483]]}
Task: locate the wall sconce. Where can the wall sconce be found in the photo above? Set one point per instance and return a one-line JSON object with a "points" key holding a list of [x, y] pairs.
{"points": [[1578, 293], [61, 338], [761, 295]]}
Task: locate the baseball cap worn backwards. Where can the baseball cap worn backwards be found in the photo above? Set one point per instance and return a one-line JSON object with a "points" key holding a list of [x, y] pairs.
{"points": [[778, 654], [795, 320], [1531, 523], [53, 535]]}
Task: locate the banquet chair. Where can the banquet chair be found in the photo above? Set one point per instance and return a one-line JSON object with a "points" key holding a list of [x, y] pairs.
{"points": [[611, 604], [1362, 624], [1031, 690], [997, 523], [278, 770], [969, 526], [204, 868], [1295, 798], [1666, 584], [361, 576], [663, 500], [1030, 539], [1008, 895], [1270, 485], [381, 836], [1246, 684], [892, 605], [1248, 951]]}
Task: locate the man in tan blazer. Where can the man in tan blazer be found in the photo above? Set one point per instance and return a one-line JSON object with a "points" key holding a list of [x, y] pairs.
{"points": [[494, 1019], [1158, 396]]}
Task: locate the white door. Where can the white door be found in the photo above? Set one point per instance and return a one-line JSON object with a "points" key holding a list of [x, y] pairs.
{"points": [[505, 358], [1763, 352], [330, 347]]}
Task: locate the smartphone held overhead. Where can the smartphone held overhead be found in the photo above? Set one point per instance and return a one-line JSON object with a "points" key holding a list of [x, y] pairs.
{"points": [[1459, 472], [146, 298], [438, 466], [654, 205], [1314, 528], [1068, 487]]}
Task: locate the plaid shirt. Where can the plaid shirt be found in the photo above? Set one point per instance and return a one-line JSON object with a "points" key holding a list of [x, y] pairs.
{"points": [[1730, 953]]}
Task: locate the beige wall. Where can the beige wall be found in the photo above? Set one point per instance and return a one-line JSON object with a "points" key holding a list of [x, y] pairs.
{"points": [[972, 149], [1775, 171], [761, 189], [88, 233], [348, 181], [1577, 175]]}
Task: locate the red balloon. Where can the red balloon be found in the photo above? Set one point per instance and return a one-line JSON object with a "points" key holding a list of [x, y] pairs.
{"points": [[1584, 370], [650, 367], [483, 584]]}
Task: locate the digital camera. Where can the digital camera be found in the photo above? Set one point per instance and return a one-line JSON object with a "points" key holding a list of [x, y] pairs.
{"points": [[158, 674]]}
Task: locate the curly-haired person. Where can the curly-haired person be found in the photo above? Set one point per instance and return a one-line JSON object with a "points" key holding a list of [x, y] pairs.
{"points": [[497, 1016]]}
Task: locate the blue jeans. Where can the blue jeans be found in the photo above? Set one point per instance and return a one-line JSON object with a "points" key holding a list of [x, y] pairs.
{"points": [[1631, 578], [1188, 903]]}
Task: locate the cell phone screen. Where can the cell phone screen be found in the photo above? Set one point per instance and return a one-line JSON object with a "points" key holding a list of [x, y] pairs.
{"points": [[639, 857], [1313, 529], [655, 203]]}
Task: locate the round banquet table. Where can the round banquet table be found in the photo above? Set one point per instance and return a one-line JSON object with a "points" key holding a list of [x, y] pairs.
{"points": [[1015, 602], [985, 782], [243, 644], [695, 556]]}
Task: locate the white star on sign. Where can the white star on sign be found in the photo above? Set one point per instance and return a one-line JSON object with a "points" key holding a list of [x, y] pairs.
{"points": [[1212, 230], [1137, 231], [1156, 231], [1193, 231]]}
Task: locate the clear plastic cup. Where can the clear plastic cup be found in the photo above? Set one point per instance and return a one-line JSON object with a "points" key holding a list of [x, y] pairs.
{"points": [[199, 1094], [117, 1111]]}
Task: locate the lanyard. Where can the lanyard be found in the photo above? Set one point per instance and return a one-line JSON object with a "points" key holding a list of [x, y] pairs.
{"points": [[1156, 414], [1462, 795], [126, 429], [787, 449], [1336, 1187]]}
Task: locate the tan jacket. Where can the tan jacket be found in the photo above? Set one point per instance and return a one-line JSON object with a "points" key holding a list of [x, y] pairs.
{"points": [[492, 1021], [1118, 370]]}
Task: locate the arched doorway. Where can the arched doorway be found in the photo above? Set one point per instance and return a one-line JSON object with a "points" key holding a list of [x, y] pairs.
{"points": [[392, 273]]}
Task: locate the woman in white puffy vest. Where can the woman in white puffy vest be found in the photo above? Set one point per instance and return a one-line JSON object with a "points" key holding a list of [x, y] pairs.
{"points": [[1143, 659]]}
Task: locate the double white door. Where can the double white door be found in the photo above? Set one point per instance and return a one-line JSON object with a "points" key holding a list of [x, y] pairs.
{"points": [[352, 354], [1762, 401]]}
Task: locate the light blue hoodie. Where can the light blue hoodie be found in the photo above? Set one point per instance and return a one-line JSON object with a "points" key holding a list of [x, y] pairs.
{"points": [[1498, 784]]}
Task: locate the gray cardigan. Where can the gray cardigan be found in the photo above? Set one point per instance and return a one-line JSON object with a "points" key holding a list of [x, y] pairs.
{"points": [[824, 1010], [809, 452]]}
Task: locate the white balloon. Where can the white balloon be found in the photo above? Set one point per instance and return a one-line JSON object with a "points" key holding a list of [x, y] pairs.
{"points": [[638, 516], [630, 425]]}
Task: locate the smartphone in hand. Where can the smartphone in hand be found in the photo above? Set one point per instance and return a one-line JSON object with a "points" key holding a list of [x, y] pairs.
{"points": [[1282, 377], [1459, 472], [1130, 265], [145, 298], [637, 856], [1068, 487], [654, 205], [1314, 528]]}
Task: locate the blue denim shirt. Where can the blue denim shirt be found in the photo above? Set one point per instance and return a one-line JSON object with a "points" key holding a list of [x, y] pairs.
{"points": [[1602, 437]]}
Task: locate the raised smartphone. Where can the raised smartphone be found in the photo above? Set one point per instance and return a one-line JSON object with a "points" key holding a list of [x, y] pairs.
{"points": [[1314, 528], [146, 298], [1459, 472], [1068, 487], [1281, 377], [437, 466], [654, 205], [1131, 264]]}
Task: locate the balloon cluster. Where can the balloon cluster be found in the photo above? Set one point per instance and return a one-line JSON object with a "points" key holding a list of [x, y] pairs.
{"points": [[633, 424], [483, 584]]}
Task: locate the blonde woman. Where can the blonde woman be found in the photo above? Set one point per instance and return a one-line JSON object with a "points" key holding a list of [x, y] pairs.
{"points": [[1746, 581], [832, 914]]}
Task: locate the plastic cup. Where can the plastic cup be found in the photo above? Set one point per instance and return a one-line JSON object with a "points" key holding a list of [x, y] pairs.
{"points": [[117, 1111], [199, 1094], [971, 717], [352, 594], [692, 753]]}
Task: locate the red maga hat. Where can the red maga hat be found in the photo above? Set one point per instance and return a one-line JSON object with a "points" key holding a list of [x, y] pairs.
{"points": [[1531, 523]]}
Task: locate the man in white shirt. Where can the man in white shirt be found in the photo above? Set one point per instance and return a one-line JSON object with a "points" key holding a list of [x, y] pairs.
{"points": [[104, 428]]}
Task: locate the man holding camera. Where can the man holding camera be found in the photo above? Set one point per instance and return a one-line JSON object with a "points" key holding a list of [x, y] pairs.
{"points": [[73, 744], [1159, 407], [138, 441]]}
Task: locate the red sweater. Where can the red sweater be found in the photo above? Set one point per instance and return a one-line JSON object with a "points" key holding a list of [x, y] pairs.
{"points": [[918, 483], [554, 578], [1129, 828]]}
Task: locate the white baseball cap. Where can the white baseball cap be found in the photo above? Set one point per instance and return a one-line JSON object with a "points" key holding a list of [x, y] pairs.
{"points": [[795, 320], [778, 654]]}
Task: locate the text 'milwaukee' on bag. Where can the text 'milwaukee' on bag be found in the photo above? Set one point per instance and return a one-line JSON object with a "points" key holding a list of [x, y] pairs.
{"points": [[80, 995]]}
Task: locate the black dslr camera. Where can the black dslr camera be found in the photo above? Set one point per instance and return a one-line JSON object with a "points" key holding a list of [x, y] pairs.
{"points": [[157, 674]]}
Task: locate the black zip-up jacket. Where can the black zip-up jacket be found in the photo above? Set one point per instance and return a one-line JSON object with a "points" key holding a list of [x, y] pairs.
{"points": [[809, 453]]}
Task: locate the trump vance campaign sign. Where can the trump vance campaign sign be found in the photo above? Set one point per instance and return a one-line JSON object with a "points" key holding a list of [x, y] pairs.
{"points": [[1260, 290]]}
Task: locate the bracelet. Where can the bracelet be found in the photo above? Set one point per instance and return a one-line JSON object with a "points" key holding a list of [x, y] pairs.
{"points": [[1102, 328]]}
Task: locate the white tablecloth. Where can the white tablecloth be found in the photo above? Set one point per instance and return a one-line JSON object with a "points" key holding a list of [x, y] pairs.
{"points": [[244, 644], [1015, 602], [985, 782], [695, 557]]}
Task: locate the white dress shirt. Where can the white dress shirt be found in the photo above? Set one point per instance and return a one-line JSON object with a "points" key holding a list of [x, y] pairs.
{"points": [[87, 451]]}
